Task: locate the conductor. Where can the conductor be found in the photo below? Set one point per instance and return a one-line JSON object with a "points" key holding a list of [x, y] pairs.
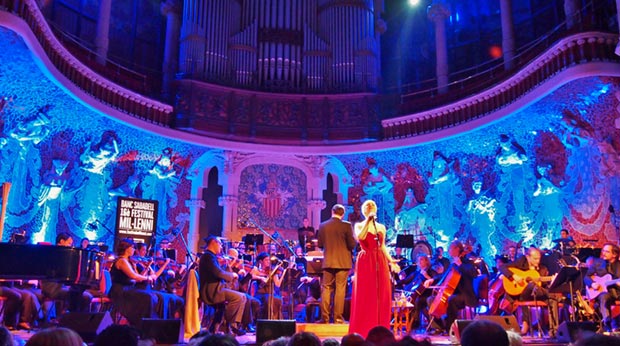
{"points": [[335, 237]]}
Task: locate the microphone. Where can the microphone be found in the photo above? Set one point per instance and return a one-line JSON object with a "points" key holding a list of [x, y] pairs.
{"points": [[372, 216]]}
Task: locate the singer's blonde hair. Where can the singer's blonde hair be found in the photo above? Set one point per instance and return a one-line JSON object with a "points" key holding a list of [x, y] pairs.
{"points": [[369, 207]]}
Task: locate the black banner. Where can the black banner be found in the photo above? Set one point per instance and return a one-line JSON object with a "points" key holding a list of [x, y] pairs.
{"points": [[135, 219]]}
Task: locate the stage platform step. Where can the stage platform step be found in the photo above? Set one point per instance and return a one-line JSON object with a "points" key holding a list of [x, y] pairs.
{"points": [[323, 330]]}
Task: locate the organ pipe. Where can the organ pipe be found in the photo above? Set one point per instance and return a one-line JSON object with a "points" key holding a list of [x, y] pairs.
{"points": [[288, 44]]}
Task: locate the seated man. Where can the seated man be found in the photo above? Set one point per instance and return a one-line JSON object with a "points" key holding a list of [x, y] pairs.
{"points": [[77, 298], [532, 290], [212, 289]]}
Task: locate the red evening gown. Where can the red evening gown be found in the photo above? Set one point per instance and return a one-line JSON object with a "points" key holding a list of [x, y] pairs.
{"points": [[371, 298]]}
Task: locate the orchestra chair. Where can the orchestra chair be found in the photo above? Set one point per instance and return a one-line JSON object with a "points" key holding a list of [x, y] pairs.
{"points": [[534, 306], [481, 289], [313, 310], [102, 302], [212, 314]]}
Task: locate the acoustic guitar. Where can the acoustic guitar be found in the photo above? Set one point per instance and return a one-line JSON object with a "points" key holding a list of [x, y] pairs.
{"points": [[439, 307], [603, 282], [514, 289]]}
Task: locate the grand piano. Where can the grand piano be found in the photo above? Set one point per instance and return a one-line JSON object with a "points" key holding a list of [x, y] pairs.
{"points": [[68, 265]]}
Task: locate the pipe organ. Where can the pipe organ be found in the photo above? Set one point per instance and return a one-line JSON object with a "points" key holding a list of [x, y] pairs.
{"points": [[282, 45]]}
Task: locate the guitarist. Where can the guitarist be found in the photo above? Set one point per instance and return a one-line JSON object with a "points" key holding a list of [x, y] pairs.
{"points": [[532, 291], [464, 293], [417, 283], [609, 265]]}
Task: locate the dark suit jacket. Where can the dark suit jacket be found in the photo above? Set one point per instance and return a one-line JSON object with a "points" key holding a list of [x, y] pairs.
{"points": [[466, 284], [212, 278], [337, 241]]}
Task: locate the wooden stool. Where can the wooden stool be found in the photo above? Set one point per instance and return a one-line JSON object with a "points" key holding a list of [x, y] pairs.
{"points": [[401, 318], [533, 306]]}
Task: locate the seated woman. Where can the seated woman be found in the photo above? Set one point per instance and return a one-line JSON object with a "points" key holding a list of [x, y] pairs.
{"points": [[267, 287], [135, 304]]}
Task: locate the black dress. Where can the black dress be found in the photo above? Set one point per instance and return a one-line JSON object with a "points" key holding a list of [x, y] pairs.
{"points": [[135, 304]]}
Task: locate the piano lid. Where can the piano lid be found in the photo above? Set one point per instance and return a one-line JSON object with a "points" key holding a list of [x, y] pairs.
{"points": [[49, 262]]}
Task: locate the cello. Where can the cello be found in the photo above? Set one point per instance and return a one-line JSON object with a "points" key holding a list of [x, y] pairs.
{"points": [[439, 307]]}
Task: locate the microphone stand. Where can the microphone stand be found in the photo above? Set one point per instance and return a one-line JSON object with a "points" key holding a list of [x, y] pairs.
{"points": [[374, 224], [285, 245]]}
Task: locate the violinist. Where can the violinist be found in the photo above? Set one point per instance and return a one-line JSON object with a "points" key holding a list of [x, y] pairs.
{"points": [[133, 303], [267, 286], [417, 284], [252, 306], [212, 289], [168, 305]]}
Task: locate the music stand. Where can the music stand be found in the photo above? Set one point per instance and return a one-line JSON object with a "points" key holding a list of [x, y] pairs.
{"points": [[570, 276], [253, 239], [405, 241]]}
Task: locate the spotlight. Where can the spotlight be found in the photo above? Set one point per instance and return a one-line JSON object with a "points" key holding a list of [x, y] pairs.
{"points": [[413, 3]]}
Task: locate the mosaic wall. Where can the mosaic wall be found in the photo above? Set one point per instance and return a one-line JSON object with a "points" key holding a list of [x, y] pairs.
{"points": [[551, 165]]}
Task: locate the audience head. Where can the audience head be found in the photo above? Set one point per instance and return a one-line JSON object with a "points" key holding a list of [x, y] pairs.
{"points": [[118, 335], [331, 342], [6, 338], [597, 340], [380, 336], [281, 341], [84, 243], [353, 339], [338, 210], [218, 340], [514, 338], [55, 337], [304, 339], [483, 332], [64, 239], [123, 246]]}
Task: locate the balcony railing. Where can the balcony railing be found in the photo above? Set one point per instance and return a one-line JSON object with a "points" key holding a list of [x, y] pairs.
{"points": [[82, 76]]}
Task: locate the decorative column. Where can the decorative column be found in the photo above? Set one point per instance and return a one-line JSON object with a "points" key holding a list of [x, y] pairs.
{"points": [[229, 220], [314, 211], [102, 40], [438, 13], [193, 233], [171, 9], [508, 33]]}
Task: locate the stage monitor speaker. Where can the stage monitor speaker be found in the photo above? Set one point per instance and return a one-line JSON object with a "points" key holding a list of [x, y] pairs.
{"points": [[272, 329], [572, 331], [87, 324], [163, 331], [507, 322], [456, 330]]}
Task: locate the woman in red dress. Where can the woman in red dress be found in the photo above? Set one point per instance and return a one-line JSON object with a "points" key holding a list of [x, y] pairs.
{"points": [[371, 299]]}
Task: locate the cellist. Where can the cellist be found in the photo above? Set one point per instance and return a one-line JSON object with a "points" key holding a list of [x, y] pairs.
{"points": [[461, 269]]}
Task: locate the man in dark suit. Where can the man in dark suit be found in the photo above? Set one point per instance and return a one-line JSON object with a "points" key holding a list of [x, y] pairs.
{"points": [[212, 288], [335, 237], [609, 265]]}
